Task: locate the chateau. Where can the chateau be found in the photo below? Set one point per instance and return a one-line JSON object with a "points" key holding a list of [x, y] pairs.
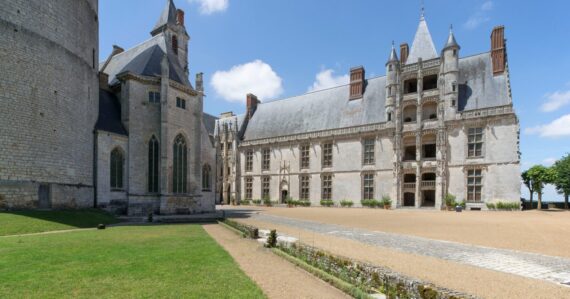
{"points": [[128, 134], [436, 124]]}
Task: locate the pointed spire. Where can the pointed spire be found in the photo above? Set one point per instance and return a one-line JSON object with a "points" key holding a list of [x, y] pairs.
{"points": [[393, 55], [423, 46], [167, 17], [451, 42]]}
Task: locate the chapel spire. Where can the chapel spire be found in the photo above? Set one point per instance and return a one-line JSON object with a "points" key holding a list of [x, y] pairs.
{"points": [[167, 18], [423, 46]]}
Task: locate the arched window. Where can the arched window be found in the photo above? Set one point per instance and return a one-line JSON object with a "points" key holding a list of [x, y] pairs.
{"points": [[117, 161], [175, 44], [179, 165], [153, 158], [206, 178]]}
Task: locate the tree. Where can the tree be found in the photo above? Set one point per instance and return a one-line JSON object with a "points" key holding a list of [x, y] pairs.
{"points": [[540, 176], [528, 183], [562, 179]]}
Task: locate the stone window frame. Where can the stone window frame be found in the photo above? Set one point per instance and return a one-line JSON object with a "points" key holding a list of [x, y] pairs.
{"points": [[478, 172], [207, 178], [305, 148], [266, 187], [327, 186], [153, 165], [304, 187], [154, 96], [180, 165], [325, 161], [181, 103], [117, 169], [249, 160], [248, 188], [371, 159], [365, 178], [266, 159], [482, 142]]}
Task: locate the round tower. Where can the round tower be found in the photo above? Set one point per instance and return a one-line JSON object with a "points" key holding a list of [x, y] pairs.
{"points": [[450, 72], [49, 57], [392, 71]]}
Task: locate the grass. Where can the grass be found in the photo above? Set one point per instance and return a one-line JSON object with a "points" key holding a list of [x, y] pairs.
{"points": [[174, 261], [27, 222]]}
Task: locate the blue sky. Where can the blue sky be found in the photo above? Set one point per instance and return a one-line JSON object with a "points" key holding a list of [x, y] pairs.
{"points": [[282, 48]]}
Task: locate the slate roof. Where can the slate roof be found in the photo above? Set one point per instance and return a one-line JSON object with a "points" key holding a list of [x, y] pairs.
{"points": [[423, 44], [167, 17], [209, 122], [109, 119]]}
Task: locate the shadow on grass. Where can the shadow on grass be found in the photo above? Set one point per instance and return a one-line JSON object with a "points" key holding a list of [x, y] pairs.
{"points": [[75, 218]]}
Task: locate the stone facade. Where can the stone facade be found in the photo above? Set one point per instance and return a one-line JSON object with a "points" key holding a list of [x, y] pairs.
{"points": [[436, 124]]}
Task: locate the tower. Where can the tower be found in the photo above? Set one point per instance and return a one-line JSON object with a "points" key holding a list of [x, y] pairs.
{"points": [[450, 75], [392, 83]]}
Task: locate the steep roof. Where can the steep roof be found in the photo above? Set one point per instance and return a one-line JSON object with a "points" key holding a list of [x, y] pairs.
{"points": [[451, 42], [167, 17], [109, 119], [209, 122], [423, 44]]}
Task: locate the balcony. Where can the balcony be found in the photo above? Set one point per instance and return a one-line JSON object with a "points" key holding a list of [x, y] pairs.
{"points": [[413, 96], [429, 163], [430, 93], [410, 186], [410, 127], [409, 165], [430, 124], [428, 185]]}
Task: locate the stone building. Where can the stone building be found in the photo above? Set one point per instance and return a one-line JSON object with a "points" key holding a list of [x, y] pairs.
{"points": [[435, 124]]}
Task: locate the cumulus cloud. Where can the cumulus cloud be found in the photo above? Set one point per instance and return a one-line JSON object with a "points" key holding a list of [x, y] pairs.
{"points": [[549, 161], [326, 79], [255, 77], [556, 100], [557, 128], [480, 16], [208, 7]]}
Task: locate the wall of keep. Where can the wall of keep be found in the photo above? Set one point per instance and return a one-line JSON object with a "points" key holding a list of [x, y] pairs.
{"points": [[49, 92]]}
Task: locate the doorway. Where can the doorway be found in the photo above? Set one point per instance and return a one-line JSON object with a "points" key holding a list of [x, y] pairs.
{"points": [[44, 200], [284, 195]]}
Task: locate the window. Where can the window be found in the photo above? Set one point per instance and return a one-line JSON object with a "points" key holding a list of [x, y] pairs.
{"points": [[368, 151], [327, 155], [153, 158], [368, 186], [175, 44], [305, 156], [304, 185], [475, 142], [390, 68], [266, 163], [326, 187], [389, 116], [249, 160], [430, 82], [179, 165], [154, 97], [474, 185], [454, 52], [93, 58], [206, 178], [454, 86], [117, 161], [411, 86], [430, 151], [265, 183], [248, 188], [181, 103]]}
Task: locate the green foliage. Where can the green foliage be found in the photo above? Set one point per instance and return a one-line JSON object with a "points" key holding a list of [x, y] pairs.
{"points": [[462, 204], [267, 202], [386, 200], [327, 203], [491, 206], [450, 200], [245, 202], [256, 202], [562, 177], [305, 203], [272, 239], [122, 262], [371, 203], [346, 203], [540, 176]]}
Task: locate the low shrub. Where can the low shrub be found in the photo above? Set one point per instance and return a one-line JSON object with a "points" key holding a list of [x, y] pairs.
{"points": [[327, 203], [491, 206], [245, 202], [462, 204], [371, 203], [346, 203], [267, 202], [305, 203], [504, 206], [247, 230], [450, 200], [272, 239], [386, 200]]}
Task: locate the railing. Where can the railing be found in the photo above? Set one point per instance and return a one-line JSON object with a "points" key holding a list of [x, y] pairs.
{"points": [[430, 93], [410, 186], [428, 184], [431, 63], [411, 96], [430, 124], [486, 112], [411, 126]]}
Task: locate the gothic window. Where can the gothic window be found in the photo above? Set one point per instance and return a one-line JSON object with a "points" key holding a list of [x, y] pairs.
{"points": [[206, 178], [179, 165], [265, 185], [266, 163], [181, 103], [117, 162], [249, 161], [326, 187], [389, 116], [175, 44], [368, 186], [474, 185], [305, 183], [153, 158], [475, 142], [154, 97], [305, 156], [327, 155], [248, 188], [368, 150]]}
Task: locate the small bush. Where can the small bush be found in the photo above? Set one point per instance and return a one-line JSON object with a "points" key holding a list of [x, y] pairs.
{"points": [[305, 203], [272, 239], [371, 203], [386, 200], [245, 202], [256, 201], [450, 200], [505, 206], [267, 202], [346, 203], [327, 203], [491, 206], [462, 204]]}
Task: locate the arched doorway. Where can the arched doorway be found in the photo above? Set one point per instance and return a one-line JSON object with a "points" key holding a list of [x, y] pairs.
{"points": [[284, 187]]}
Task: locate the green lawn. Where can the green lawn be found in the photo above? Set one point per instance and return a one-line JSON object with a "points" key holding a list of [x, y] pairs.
{"points": [[166, 261], [26, 222]]}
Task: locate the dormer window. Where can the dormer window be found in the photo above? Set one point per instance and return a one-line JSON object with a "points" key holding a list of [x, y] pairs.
{"points": [[175, 44]]}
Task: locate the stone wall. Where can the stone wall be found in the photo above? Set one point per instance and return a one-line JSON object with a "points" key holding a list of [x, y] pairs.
{"points": [[111, 200]]}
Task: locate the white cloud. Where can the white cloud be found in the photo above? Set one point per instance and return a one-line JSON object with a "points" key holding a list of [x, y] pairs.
{"points": [[549, 161], [255, 77], [326, 79], [556, 100], [559, 127], [480, 16], [208, 7]]}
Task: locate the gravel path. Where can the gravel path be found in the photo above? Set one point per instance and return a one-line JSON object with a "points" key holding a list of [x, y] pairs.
{"points": [[529, 265], [276, 277]]}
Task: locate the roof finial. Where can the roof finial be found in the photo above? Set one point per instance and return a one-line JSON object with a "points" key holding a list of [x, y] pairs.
{"points": [[422, 9], [450, 28]]}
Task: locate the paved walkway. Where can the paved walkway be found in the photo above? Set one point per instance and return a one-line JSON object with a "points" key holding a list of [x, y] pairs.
{"points": [[530, 265]]}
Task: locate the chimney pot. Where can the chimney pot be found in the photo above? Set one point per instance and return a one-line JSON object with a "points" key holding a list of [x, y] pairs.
{"points": [[180, 17], [404, 51], [357, 77], [498, 50], [251, 103]]}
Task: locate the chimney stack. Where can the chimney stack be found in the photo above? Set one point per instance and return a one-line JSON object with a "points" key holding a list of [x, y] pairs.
{"points": [[117, 50], [200, 82], [104, 81], [404, 51], [356, 82], [498, 50], [180, 17], [252, 103]]}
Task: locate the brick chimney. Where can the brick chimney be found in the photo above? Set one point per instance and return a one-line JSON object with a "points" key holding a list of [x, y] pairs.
{"points": [[180, 17], [104, 81], [498, 50], [252, 103], [356, 82], [404, 51], [117, 50]]}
